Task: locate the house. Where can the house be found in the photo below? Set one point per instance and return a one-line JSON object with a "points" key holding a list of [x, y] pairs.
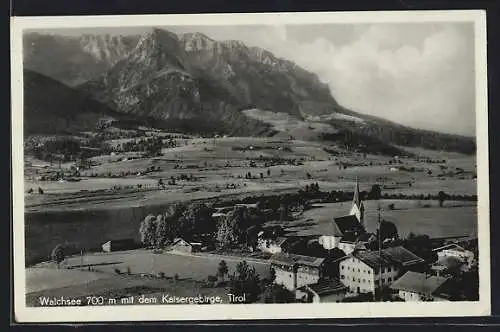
{"points": [[364, 271], [415, 286], [322, 292], [294, 271], [272, 246], [350, 241], [454, 250], [182, 245], [119, 244], [346, 230]]}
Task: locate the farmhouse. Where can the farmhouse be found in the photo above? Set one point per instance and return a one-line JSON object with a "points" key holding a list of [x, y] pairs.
{"points": [[347, 230], [322, 292], [294, 271], [454, 250], [182, 245], [365, 271], [414, 286], [119, 244]]}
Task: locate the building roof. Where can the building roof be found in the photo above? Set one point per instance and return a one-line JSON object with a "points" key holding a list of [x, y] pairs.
{"points": [[345, 224], [355, 237], [326, 287], [294, 259], [177, 240], [453, 246], [402, 256], [393, 255], [371, 258], [280, 241], [418, 283], [116, 241]]}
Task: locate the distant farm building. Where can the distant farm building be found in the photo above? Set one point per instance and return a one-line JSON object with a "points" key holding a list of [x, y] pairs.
{"points": [[182, 245], [120, 244]]}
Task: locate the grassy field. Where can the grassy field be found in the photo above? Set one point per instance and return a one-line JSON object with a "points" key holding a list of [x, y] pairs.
{"points": [[89, 212], [73, 280], [143, 261], [121, 286], [425, 217]]}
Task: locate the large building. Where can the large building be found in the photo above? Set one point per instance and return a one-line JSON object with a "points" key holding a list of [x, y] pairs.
{"points": [[348, 231], [365, 271], [294, 271]]}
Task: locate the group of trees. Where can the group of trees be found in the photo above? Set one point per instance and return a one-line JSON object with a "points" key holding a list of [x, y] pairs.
{"points": [[178, 221], [234, 228], [151, 146]]}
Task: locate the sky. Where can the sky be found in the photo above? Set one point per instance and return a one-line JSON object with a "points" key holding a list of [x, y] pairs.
{"points": [[417, 74]]}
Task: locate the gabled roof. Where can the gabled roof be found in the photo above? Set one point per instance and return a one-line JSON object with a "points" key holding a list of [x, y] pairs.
{"points": [[402, 256], [393, 255], [326, 287], [344, 224], [293, 259], [418, 283], [453, 246]]}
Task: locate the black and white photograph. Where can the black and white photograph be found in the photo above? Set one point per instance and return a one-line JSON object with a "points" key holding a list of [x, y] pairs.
{"points": [[233, 166]]}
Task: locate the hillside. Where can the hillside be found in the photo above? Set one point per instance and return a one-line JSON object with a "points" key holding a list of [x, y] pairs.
{"points": [[51, 107]]}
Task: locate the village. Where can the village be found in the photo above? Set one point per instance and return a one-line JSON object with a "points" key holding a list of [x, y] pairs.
{"points": [[269, 264]]}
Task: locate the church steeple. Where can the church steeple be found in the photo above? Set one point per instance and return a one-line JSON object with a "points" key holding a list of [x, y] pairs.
{"points": [[356, 199], [358, 208]]}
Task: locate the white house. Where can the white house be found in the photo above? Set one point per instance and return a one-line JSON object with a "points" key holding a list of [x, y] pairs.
{"points": [[365, 271], [294, 271], [414, 286], [454, 250]]}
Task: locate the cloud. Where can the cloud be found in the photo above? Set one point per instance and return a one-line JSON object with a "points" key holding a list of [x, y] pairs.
{"points": [[414, 77]]}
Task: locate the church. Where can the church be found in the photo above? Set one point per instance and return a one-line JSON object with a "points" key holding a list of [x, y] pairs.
{"points": [[348, 231]]}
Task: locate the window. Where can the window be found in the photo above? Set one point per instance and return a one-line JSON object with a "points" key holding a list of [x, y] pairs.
{"points": [[382, 270], [353, 279], [364, 280], [359, 280], [383, 280], [389, 269], [389, 279], [359, 270], [348, 268], [342, 276], [342, 267]]}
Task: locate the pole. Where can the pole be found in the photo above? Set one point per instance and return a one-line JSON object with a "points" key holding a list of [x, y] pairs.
{"points": [[81, 259], [380, 251]]}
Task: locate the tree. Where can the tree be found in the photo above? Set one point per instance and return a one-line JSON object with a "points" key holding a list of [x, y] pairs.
{"points": [[58, 254], [375, 192], [441, 197], [197, 219], [230, 228], [387, 230], [276, 293], [162, 235], [245, 282], [222, 270], [147, 231]]}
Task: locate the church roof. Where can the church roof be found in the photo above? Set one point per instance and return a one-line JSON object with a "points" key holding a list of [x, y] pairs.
{"points": [[356, 199]]}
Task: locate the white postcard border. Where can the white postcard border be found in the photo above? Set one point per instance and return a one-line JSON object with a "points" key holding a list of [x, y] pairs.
{"points": [[250, 311]]}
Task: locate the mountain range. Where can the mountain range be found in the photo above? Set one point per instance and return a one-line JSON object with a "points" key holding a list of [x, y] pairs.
{"points": [[195, 84]]}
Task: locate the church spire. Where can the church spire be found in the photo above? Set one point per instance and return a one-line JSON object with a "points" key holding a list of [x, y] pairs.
{"points": [[356, 200]]}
